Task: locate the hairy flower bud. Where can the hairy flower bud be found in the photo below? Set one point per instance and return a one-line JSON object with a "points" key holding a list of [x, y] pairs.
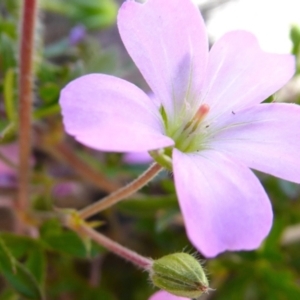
{"points": [[180, 274]]}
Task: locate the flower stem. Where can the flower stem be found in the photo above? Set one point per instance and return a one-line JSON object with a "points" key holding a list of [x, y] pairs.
{"points": [[122, 193], [85, 171], [26, 56], [135, 258]]}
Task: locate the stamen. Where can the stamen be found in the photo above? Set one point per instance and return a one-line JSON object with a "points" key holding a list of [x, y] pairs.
{"points": [[200, 115], [202, 112], [189, 134]]}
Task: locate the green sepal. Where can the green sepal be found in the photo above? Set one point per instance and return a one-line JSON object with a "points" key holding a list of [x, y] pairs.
{"points": [[180, 274], [162, 158]]}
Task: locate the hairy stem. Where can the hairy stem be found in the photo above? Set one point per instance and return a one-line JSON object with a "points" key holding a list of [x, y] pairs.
{"points": [[122, 193], [84, 170], [26, 56], [135, 258]]}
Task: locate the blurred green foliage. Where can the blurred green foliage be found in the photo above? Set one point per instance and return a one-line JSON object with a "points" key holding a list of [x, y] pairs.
{"points": [[56, 262], [295, 37], [93, 14]]}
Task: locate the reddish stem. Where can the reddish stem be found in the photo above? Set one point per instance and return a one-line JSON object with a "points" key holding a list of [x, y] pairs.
{"points": [[135, 258], [29, 13], [122, 193]]}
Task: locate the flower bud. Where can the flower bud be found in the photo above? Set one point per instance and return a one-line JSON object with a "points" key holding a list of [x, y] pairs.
{"points": [[180, 274]]}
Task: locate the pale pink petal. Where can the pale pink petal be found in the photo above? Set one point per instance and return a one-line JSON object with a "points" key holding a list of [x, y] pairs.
{"points": [[240, 74], [265, 137], [223, 204], [111, 114], [137, 158], [154, 99], [163, 295], [168, 43]]}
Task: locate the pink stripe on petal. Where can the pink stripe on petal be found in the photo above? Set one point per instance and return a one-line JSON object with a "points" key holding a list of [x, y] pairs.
{"points": [[167, 41], [265, 137], [111, 114], [223, 204]]}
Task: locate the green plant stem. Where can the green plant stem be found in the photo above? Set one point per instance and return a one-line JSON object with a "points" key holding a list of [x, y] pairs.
{"points": [[129, 255], [26, 57], [122, 193]]}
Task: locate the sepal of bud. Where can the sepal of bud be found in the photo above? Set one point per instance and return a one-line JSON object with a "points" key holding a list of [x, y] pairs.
{"points": [[180, 274]]}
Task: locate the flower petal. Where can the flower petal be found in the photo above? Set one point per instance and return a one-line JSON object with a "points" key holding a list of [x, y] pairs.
{"points": [[137, 158], [240, 74], [223, 204], [265, 137], [163, 295], [111, 114], [167, 41]]}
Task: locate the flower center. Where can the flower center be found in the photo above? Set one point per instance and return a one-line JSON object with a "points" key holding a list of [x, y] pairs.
{"points": [[188, 135]]}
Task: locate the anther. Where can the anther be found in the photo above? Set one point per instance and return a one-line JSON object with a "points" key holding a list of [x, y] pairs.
{"points": [[200, 115], [202, 112]]}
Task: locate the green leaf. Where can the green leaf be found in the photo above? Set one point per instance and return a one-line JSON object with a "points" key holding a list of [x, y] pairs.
{"points": [[9, 294], [92, 13], [18, 275], [49, 92], [67, 242], [9, 100], [61, 47], [23, 282], [165, 219], [8, 133], [7, 52], [19, 245], [295, 37], [7, 261], [8, 28], [36, 263], [100, 293], [283, 281], [147, 206], [46, 111]]}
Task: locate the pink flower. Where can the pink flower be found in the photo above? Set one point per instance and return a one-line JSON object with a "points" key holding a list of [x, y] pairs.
{"points": [[162, 295], [137, 158], [65, 189], [11, 152], [210, 121], [7, 173]]}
